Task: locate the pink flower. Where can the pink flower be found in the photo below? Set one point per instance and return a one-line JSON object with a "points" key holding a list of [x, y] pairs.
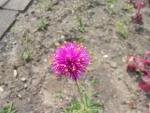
{"points": [[130, 63], [135, 5], [142, 4], [70, 60], [137, 17], [130, 59], [144, 86]]}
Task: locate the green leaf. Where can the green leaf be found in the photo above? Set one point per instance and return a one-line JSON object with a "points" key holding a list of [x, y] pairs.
{"points": [[93, 83], [96, 105]]}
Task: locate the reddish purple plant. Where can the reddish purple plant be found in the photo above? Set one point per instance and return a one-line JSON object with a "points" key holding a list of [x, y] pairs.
{"points": [[137, 4], [70, 60], [141, 64]]}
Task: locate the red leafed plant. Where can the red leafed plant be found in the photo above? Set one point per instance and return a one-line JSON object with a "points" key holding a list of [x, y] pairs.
{"points": [[142, 65], [138, 5]]}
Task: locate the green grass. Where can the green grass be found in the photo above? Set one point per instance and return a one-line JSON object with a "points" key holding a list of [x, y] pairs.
{"points": [[121, 29], [7, 109], [47, 5], [132, 96], [12, 31], [81, 27], [111, 9], [119, 77], [59, 94], [111, 1], [84, 105], [26, 54], [128, 6], [42, 24]]}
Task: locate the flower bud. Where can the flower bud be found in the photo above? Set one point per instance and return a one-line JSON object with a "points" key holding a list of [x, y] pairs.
{"points": [[142, 4], [137, 17], [135, 5]]}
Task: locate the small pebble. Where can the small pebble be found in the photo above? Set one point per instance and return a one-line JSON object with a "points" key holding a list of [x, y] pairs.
{"points": [[23, 79], [45, 60], [15, 73], [14, 43], [62, 37], [113, 64], [19, 96], [25, 86], [1, 89], [105, 56]]}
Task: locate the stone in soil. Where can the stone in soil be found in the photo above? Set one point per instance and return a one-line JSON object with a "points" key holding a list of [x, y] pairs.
{"points": [[15, 73], [23, 79], [1, 89], [113, 64]]}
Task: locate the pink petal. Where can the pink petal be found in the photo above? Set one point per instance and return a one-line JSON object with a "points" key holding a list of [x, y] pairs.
{"points": [[142, 4], [130, 59], [144, 86], [148, 52], [135, 5], [146, 78], [140, 66]]}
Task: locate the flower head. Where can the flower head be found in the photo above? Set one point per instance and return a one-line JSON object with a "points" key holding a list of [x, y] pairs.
{"points": [[130, 63], [137, 17], [70, 60]]}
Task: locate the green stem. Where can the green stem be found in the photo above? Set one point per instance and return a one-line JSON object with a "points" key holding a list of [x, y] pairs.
{"points": [[80, 93], [78, 89]]}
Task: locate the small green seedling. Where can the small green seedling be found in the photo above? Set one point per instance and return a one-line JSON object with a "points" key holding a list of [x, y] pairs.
{"points": [[79, 37], [58, 95], [127, 17], [128, 6], [8, 109], [132, 96], [42, 25], [120, 53], [26, 54], [12, 31], [81, 27], [111, 6], [111, 1], [121, 28], [111, 9], [92, 83], [47, 6], [119, 77]]}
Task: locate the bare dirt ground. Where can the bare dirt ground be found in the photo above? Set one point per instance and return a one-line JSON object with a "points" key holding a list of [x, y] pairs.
{"points": [[31, 85]]}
